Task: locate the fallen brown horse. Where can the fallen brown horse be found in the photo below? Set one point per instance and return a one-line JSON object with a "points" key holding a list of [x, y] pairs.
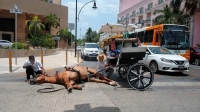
{"points": [[73, 75]]}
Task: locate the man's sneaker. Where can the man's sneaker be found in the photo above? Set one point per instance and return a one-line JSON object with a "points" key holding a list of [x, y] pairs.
{"points": [[28, 81]]}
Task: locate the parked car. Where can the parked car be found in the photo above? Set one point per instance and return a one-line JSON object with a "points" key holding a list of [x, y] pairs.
{"points": [[78, 48], [90, 50], [5, 43], [161, 59], [195, 55]]}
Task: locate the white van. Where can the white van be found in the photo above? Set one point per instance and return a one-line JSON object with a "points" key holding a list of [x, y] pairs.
{"points": [[90, 50]]}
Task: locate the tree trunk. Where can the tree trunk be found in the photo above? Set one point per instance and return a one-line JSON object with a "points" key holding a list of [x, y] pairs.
{"points": [[67, 43], [191, 30]]}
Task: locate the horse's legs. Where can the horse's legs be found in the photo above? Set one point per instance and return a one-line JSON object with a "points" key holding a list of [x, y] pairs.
{"points": [[68, 84], [74, 85], [98, 80], [93, 71]]}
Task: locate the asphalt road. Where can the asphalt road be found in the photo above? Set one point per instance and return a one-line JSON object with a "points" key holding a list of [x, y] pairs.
{"points": [[170, 92]]}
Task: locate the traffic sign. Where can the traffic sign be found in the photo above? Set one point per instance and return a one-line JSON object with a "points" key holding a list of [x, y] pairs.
{"points": [[56, 38], [16, 11]]}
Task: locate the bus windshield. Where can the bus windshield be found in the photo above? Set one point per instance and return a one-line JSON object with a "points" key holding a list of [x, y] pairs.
{"points": [[178, 40]]}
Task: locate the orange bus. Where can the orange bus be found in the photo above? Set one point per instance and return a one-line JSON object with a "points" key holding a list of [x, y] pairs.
{"points": [[171, 36]]}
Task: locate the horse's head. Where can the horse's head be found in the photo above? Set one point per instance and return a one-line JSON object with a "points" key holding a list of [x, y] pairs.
{"points": [[41, 78]]}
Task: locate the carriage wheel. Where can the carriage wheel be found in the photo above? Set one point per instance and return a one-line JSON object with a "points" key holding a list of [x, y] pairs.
{"points": [[140, 77], [122, 71]]}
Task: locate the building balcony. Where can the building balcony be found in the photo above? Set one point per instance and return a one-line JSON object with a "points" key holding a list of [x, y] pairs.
{"points": [[147, 10]]}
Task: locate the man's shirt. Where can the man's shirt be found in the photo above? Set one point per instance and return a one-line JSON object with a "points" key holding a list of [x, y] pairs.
{"points": [[36, 65]]}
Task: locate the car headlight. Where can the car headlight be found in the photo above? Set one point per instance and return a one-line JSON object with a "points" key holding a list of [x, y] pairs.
{"points": [[166, 60], [186, 61]]}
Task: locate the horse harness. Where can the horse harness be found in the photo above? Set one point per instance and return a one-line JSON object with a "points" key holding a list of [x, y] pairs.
{"points": [[80, 80]]}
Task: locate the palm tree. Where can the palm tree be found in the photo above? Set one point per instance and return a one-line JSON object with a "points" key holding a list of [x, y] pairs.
{"points": [[65, 34], [35, 26], [165, 16], [192, 6], [179, 14], [52, 20]]}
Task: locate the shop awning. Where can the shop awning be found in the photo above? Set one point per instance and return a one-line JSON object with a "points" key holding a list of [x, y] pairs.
{"points": [[116, 28], [117, 36]]}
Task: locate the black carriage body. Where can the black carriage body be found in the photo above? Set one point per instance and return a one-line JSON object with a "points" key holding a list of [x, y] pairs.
{"points": [[131, 55]]}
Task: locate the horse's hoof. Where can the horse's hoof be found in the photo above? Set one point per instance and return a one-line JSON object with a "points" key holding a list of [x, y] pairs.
{"points": [[113, 83], [69, 90]]}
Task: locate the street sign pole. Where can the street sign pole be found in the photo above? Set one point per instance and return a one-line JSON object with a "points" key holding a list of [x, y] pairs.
{"points": [[15, 38], [16, 11]]}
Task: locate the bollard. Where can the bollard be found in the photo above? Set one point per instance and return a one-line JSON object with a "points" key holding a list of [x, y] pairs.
{"points": [[10, 60], [77, 56], [66, 57], [42, 56], [71, 51]]}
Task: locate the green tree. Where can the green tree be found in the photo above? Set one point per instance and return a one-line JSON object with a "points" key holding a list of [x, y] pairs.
{"points": [[65, 34], [192, 6], [95, 36], [178, 14], [35, 26], [71, 39], [91, 36], [79, 41], [165, 16], [53, 21], [88, 35]]}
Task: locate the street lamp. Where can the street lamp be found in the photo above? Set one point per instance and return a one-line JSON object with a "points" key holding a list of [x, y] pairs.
{"points": [[77, 18], [16, 11]]}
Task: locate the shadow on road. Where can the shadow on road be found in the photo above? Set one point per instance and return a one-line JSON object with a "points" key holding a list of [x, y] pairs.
{"points": [[90, 59], [172, 74], [87, 108]]}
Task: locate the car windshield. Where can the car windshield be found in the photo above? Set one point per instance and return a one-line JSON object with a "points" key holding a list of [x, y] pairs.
{"points": [[91, 46], [198, 50], [78, 46], [159, 50]]}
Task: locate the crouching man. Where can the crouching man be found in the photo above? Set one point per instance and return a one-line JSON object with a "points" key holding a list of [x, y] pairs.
{"points": [[33, 67]]}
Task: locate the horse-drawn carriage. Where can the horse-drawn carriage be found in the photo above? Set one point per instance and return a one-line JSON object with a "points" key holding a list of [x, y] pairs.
{"points": [[125, 54]]}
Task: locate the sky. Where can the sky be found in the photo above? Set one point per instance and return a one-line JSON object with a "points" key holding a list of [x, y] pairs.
{"points": [[106, 12]]}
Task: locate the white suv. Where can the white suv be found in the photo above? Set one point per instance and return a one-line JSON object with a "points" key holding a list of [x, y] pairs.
{"points": [[5, 43], [89, 50]]}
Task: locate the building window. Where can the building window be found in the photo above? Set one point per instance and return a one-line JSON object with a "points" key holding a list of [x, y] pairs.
{"points": [[160, 2], [140, 20], [150, 6], [141, 10], [148, 19], [127, 17], [122, 19], [133, 21], [133, 14]]}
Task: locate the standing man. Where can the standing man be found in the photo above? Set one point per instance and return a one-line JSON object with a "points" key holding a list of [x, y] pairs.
{"points": [[33, 67]]}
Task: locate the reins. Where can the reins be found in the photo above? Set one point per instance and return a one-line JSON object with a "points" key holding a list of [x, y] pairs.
{"points": [[51, 88]]}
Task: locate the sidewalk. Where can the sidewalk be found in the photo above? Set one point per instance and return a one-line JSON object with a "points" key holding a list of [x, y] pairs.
{"points": [[49, 62]]}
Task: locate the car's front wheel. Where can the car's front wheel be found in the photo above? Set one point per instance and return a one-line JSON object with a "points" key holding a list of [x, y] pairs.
{"points": [[197, 61], [154, 66]]}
